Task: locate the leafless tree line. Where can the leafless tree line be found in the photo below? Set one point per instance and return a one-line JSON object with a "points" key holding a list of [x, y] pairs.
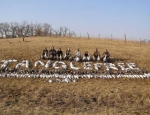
{"points": [[25, 29]]}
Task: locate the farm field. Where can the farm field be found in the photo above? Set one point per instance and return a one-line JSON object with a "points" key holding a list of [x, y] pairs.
{"points": [[86, 96]]}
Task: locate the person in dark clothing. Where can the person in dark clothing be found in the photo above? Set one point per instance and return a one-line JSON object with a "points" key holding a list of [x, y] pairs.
{"points": [[59, 54], [86, 56], [52, 53], [44, 54]]}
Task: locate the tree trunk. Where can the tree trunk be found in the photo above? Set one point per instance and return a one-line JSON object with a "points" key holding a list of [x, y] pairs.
{"points": [[23, 38]]}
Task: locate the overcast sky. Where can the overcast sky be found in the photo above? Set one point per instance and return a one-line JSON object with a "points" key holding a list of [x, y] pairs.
{"points": [[104, 17]]}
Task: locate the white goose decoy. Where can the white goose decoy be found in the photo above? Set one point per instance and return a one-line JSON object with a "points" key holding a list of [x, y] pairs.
{"points": [[56, 75], [147, 75], [65, 56], [37, 76], [110, 65], [55, 65], [76, 59], [17, 66], [87, 65], [60, 57], [45, 55], [27, 64], [47, 65], [1, 75], [32, 75], [50, 81], [98, 58], [58, 80], [105, 59], [64, 66], [89, 76], [97, 66], [76, 76], [73, 67], [107, 66], [136, 76], [12, 60], [68, 76], [74, 80], [113, 76], [23, 63], [132, 66], [122, 66], [113, 66], [4, 65], [66, 80], [144, 76], [2, 60], [86, 58], [38, 62]]}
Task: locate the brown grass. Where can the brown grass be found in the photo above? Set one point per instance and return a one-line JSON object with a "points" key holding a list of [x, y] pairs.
{"points": [[87, 96]]}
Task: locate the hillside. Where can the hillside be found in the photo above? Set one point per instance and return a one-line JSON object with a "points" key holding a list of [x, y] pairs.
{"points": [[85, 97]]}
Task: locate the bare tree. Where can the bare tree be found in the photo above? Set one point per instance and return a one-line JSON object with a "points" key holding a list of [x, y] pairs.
{"points": [[13, 29], [1, 30], [65, 30], [5, 28], [32, 28], [46, 28], [71, 33], [22, 29], [50, 31], [60, 31], [56, 32], [38, 30]]}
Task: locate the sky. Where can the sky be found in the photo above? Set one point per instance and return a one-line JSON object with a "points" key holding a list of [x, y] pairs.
{"points": [[104, 17]]}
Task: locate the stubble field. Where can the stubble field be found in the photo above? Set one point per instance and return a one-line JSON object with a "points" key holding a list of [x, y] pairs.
{"points": [[87, 96]]}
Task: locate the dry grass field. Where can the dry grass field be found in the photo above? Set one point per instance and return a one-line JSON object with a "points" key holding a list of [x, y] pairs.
{"points": [[28, 96]]}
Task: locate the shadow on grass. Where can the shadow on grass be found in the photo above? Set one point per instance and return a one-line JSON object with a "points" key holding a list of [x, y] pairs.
{"points": [[113, 60]]}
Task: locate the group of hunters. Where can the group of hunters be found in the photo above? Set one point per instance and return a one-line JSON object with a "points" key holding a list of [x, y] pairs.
{"points": [[52, 54]]}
